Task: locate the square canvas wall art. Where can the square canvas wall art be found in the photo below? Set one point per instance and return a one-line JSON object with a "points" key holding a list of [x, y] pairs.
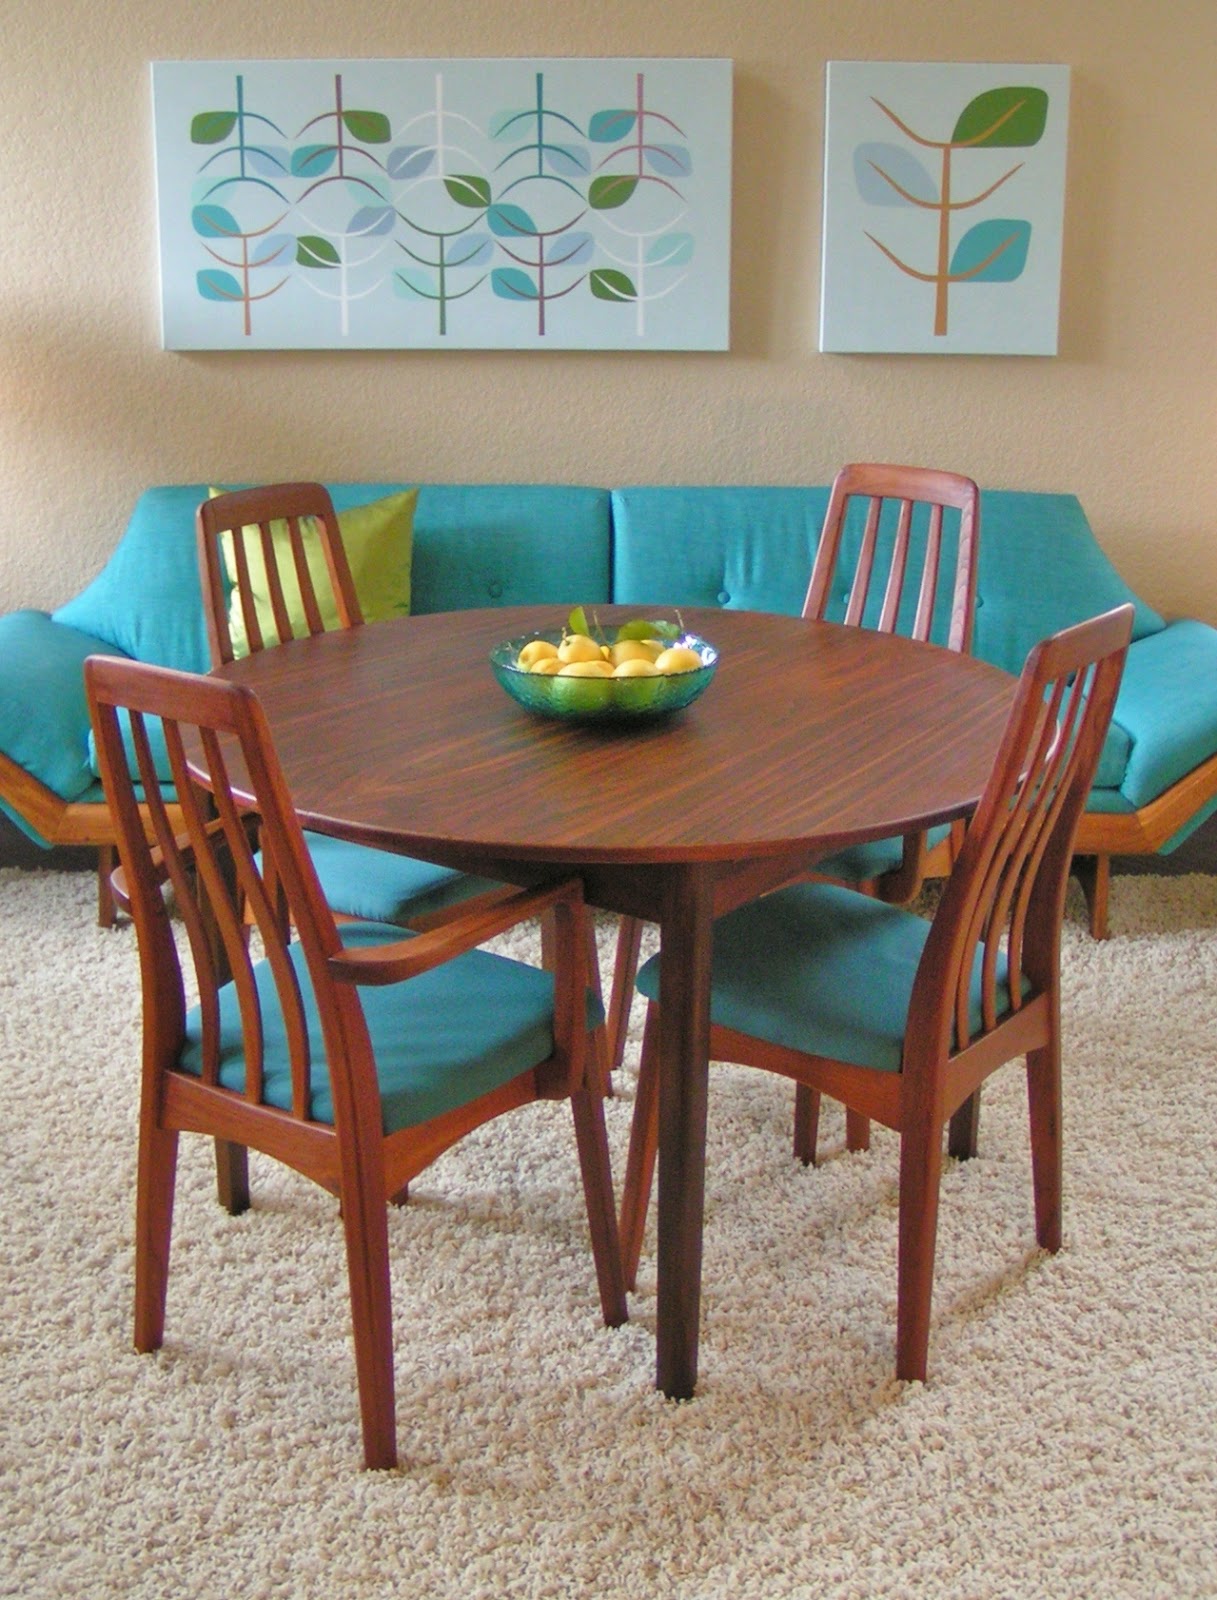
{"points": [[476, 204], [944, 195]]}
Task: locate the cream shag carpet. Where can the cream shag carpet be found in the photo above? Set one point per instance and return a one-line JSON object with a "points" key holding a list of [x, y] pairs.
{"points": [[1066, 1444]]}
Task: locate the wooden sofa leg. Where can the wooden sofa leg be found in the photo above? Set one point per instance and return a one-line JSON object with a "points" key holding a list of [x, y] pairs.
{"points": [[1094, 874]]}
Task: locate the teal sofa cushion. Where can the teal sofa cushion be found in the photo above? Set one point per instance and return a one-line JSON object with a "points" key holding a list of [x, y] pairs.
{"points": [[1168, 707], [146, 600], [1041, 569], [821, 969], [441, 1039], [44, 715]]}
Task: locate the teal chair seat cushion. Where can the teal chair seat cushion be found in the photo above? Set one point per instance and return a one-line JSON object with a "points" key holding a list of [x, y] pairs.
{"points": [[381, 886], [858, 863], [441, 1039], [821, 969]]}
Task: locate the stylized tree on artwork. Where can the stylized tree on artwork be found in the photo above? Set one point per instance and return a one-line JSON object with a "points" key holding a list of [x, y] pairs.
{"points": [[455, 249], [993, 251], [551, 250], [256, 248]]}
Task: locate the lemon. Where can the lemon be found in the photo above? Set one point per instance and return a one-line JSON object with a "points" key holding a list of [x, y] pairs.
{"points": [[677, 658], [636, 667], [578, 647], [629, 650], [599, 668], [546, 666], [536, 650]]}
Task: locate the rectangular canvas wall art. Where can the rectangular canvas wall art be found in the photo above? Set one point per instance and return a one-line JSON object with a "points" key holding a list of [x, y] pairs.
{"points": [[474, 204], [944, 198]]}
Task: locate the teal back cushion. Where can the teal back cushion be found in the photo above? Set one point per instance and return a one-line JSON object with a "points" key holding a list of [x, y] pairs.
{"points": [[146, 600]]}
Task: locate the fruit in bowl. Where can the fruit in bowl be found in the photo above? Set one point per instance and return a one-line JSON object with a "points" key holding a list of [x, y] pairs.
{"points": [[584, 672]]}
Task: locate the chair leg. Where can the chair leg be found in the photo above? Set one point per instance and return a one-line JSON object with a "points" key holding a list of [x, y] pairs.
{"points": [[232, 1176], [1044, 1098], [365, 1224], [107, 911], [1094, 874], [857, 1130], [591, 1137], [963, 1134], [806, 1123], [920, 1172], [625, 965], [640, 1163], [601, 1061], [153, 1228]]}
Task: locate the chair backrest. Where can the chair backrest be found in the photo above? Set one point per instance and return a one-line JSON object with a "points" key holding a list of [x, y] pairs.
{"points": [[1007, 889], [278, 550], [217, 878], [899, 512]]}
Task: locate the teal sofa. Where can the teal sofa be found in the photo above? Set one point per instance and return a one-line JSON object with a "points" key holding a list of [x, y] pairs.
{"points": [[1041, 568]]}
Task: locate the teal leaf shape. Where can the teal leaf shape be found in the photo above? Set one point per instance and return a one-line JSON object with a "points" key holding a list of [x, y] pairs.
{"points": [[369, 127], [881, 171], [669, 160], [268, 162], [670, 250], [215, 285], [610, 191], [412, 283], [1008, 118], [311, 160], [569, 250], [510, 283], [212, 127], [607, 127], [468, 190], [511, 222], [992, 252], [568, 160], [214, 222], [506, 124], [609, 284], [271, 248], [410, 161], [314, 251], [373, 221]]}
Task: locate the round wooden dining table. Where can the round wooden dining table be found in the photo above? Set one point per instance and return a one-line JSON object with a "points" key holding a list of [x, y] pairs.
{"points": [[811, 736]]}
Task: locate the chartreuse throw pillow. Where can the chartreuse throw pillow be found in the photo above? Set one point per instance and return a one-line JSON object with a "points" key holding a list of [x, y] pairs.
{"points": [[379, 545]]}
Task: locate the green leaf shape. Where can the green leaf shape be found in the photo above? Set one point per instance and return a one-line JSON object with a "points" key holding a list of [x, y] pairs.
{"points": [[1008, 118], [577, 621], [311, 160], [369, 127], [314, 251], [607, 127], [212, 127], [1005, 240], [641, 628], [214, 222], [510, 283], [610, 191], [215, 285], [468, 190], [609, 284]]}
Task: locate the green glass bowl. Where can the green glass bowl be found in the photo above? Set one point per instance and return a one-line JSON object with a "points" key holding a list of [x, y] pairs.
{"points": [[601, 699]]}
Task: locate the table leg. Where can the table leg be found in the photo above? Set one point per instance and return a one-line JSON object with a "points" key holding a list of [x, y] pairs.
{"points": [[684, 1037]]}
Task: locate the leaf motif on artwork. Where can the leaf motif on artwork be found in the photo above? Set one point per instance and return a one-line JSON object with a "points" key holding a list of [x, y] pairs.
{"points": [[510, 283], [311, 160], [507, 124], [314, 251], [569, 250], [212, 127], [369, 127], [610, 191], [992, 252], [215, 222], [669, 160], [609, 284], [1009, 118], [471, 250], [511, 222], [670, 250], [410, 161], [373, 221], [467, 189], [410, 283], [270, 248], [608, 127], [882, 171], [214, 285], [269, 161], [568, 160]]}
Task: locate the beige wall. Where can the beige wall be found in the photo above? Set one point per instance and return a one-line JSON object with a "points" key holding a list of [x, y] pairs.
{"points": [[92, 410]]}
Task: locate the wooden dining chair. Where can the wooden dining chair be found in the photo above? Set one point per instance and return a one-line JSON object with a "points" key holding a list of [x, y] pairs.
{"points": [[903, 1018], [353, 1052], [885, 560]]}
